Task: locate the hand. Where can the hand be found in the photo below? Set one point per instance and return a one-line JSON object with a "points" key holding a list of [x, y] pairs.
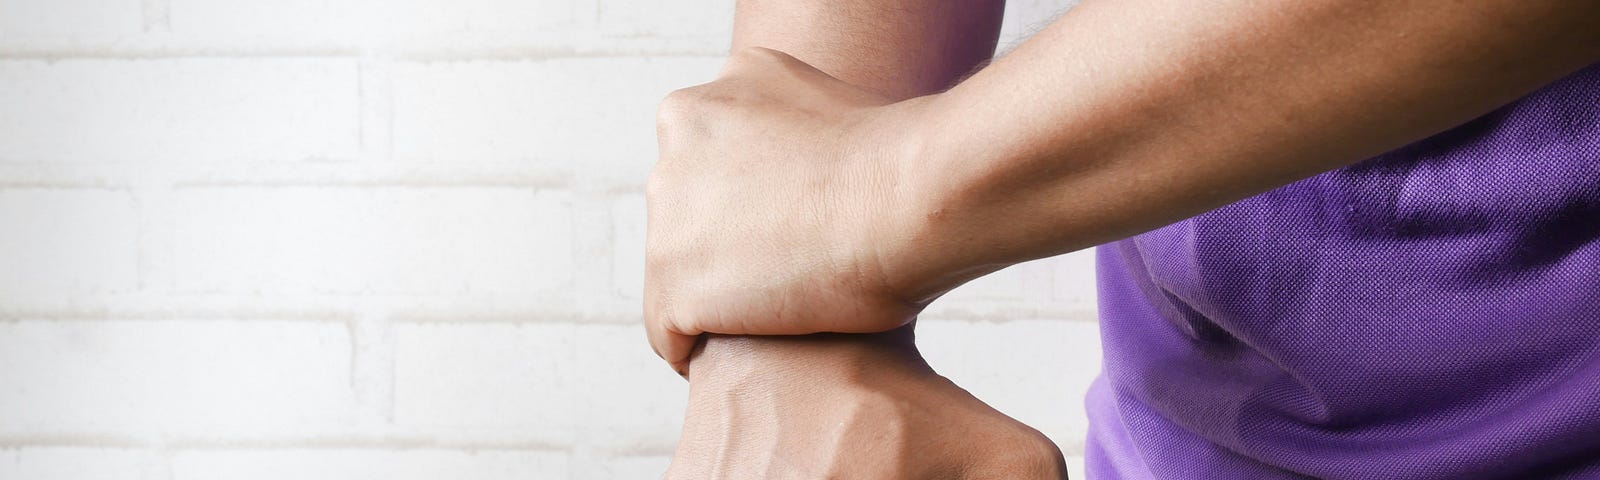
{"points": [[844, 406], [769, 208]]}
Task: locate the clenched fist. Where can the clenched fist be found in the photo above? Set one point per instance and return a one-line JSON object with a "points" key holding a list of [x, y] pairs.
{"points": [[775, 198]]}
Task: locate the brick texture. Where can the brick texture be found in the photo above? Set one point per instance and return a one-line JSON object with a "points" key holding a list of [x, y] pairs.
{"points": [[359, 239], [416, 240], [368, 464], [178, 110], [67, 242], [144, 380], [23, 18]]}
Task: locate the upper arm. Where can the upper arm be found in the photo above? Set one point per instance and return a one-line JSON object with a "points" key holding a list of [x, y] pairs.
{"points": [[898, 48]]}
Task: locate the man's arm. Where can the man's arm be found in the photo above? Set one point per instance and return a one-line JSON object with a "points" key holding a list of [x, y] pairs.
{"points": [[844, 406], [898, 49], [837, 210], [895, 48], [1125, 116], [854, 405]]}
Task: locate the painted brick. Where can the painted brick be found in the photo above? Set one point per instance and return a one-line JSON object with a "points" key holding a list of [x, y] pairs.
{"points": [[426, 121], [596, 115], [494, 380], [635, 467], [24, 18], [78, 464], [478, 15], [345, 21], [438, 240], [711, 21], [1074, 278], [626, 395], [1060, 287], [590, 384], [1036, 371], [196, 378], [312, 21], [1026, 281], [63, 242], [188, 110], [1023, 18], [628, 240], [369, 464]]}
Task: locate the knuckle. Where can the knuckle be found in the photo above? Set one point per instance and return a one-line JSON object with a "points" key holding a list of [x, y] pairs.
{"points": [[677, 320], [1040, 457], [676, 107], [687, 114], [659, 313], [654, 186], [662, 191]]}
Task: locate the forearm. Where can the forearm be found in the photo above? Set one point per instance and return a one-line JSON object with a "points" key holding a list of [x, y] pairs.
{"points": [[1125, 116]]}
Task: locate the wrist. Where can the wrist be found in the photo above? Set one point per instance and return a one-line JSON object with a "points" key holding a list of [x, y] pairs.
{"points": [[866, 400], [741, 382], [924, 243], [733, 361]]}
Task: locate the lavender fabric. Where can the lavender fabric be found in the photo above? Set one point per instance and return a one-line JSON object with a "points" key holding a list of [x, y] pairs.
{"points": [[1430, 313]]}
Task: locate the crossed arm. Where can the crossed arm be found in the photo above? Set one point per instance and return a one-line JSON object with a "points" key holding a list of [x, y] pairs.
{"points": [[856, 405], [803, 191]]}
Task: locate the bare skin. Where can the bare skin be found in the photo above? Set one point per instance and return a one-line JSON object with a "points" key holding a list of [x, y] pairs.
{"points": [[787, 201], [887, 50], [861, 405], [845, 406], [803, 192]]}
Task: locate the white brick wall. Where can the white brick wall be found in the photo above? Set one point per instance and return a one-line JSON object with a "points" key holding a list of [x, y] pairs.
{"points": [[365, 463], [157, 380], [80, 463], [70, 17], [67, 241], [190, 110], [354, 239], [375, 239]]}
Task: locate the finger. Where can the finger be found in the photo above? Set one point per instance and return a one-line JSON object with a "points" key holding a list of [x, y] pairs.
{"points": [[684, 344], [671, 346]]}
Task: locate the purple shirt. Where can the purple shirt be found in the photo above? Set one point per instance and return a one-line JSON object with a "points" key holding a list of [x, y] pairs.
{"points": [[1433, 312]]}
